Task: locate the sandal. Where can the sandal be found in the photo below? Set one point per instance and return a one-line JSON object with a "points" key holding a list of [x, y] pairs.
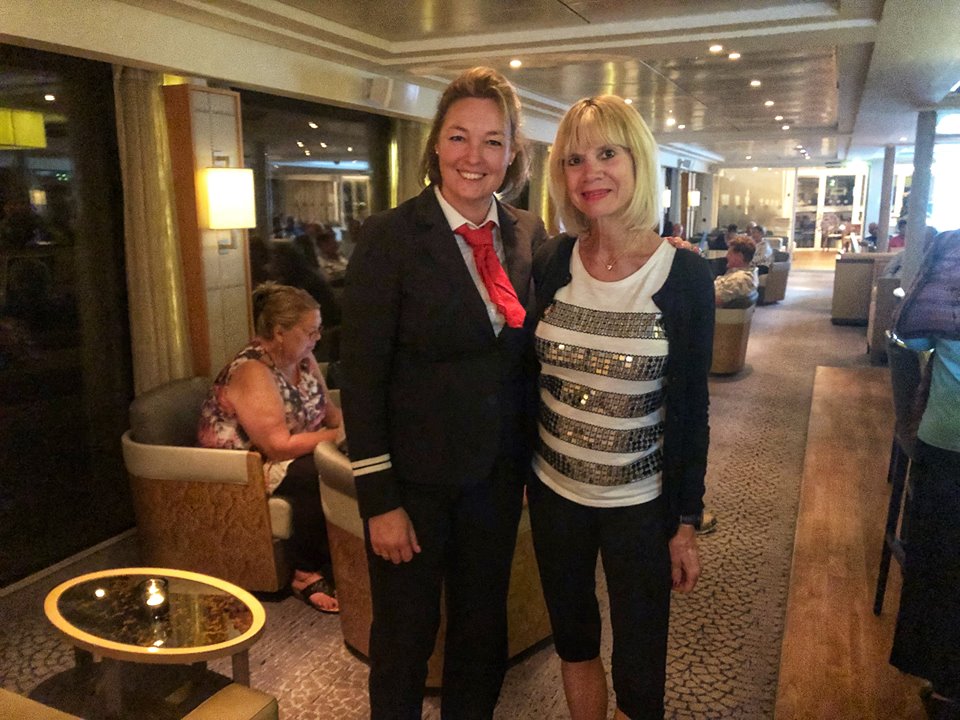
{"points": [[317, 586]]}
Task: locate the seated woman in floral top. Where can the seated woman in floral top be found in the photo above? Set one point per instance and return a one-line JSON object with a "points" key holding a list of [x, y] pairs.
{"points": [[272, 398]]}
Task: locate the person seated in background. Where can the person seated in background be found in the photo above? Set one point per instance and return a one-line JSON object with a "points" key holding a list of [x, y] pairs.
{"points": [[272, 398], [870, 241], [723, 240], [763, 254], [332, 262], [740, 279], [900, 239]]}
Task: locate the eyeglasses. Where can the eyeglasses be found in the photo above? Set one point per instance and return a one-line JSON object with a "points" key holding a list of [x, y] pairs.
{"points": [[311, 332]]}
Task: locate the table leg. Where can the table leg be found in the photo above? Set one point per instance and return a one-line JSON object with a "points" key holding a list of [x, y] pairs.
{"points": [[82, 657], [241, 668], [110, 689]]}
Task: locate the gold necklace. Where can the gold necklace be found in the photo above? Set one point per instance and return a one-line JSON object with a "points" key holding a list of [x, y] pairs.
{"points": [[609, 266]]}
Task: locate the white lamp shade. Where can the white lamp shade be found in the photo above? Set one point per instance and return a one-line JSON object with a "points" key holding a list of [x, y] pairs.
{"points": [[226, 198], [693, 198]]}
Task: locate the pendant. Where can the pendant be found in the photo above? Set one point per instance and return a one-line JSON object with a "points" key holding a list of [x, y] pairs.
{"points": [[610, 266]]}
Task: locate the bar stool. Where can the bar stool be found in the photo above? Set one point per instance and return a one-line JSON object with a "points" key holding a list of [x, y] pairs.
{"points": [[906, 370]]}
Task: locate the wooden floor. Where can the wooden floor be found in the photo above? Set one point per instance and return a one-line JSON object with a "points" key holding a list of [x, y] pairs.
{"points": [[834, 662], [814, 259]]}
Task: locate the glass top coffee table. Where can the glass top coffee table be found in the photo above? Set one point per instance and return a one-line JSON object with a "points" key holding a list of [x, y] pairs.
{"points": [[156, 615]]}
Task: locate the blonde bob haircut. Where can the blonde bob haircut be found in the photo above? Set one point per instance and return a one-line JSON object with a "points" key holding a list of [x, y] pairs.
{"points": [[607, 120], [487, 84], [282, 306]]}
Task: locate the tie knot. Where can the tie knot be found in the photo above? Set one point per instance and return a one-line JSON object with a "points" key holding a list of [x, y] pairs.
{"points": [[478, 237]]}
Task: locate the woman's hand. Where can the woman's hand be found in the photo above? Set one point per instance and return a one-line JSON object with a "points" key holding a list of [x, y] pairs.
{"points": [[392, 536], [684, 561]]}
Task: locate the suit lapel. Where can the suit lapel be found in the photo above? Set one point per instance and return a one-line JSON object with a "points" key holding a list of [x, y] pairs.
{"points": [[517, 262]]}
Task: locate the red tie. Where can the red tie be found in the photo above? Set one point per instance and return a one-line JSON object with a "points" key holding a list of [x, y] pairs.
{"points": [[491, 272]]}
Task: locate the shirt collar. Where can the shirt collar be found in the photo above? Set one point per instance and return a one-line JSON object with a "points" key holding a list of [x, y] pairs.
{"points": [[455, 219]]}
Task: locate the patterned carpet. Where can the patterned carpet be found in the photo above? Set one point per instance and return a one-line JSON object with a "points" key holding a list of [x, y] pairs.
{"points": [[725, 638]]}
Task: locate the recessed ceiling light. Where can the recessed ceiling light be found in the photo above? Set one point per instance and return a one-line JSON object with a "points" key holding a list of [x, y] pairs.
{"points": [[49, 98], [671, 122], [784, 127], [299, 143], [749, 157], [313, 125], [515, 63], [681, 127], [306, 152], [323, 144], [778, 118], [628, 101], [799, 147], [349, 148], [903, 138], [768, 103], [734, 56], [755, 83], [716, 49]]}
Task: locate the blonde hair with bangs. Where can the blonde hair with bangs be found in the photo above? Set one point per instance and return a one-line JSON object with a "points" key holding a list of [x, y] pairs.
{"points": [[607, 120]]}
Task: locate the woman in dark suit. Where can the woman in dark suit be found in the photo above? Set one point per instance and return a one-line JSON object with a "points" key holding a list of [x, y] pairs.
{"points": [[434, 389]]}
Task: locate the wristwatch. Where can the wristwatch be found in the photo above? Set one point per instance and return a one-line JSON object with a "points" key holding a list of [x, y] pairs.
{"points": [[695, 520]]}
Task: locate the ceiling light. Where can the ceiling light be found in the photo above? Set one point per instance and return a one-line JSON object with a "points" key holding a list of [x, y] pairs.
{"points": [[749, 157], [784, 127], [671, 121], [49, 98], [313, 125], [755, 83], [768, 103], [903, 138], [628, 101], [323, 144], [306, 152], [299, 143], [734, 56], [349, 148], [799, 147], [778, 118], [754, 168], [515, 63], [681, 127], [716, 49]]}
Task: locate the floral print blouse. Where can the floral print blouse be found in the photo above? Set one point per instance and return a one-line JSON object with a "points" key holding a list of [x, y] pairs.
{"points": [[304, 408]]}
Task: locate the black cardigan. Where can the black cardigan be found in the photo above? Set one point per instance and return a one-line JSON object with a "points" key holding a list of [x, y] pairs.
{"points": [[687, 303]]}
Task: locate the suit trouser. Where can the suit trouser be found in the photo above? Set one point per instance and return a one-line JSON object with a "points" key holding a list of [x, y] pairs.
{"points": [[467, 537]]}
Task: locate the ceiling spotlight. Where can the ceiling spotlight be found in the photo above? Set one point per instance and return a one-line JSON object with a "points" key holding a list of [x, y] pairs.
{"points": [[903, 138], [350, 148], [681, 127], [734, 56], [671, 121], [49, 98], [323, 145], [784, 127], [306, 152], [749, 157], [768, 103], [515, 63], [716, 49], [313, 125], [778, 118], [299, 143], [628, 101], [755, 83], [799, 147]]}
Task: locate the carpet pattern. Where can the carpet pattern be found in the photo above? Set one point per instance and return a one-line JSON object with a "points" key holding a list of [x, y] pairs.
{"points": [[725, 638]]}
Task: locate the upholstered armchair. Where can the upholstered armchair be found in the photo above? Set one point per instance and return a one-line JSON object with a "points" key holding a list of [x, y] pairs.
{"points": [[773, 284], [528, 622], [730, 335], [200, 509]]}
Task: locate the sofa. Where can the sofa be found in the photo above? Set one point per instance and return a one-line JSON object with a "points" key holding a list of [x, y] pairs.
{"points": [[528, 623], [197, 508]]}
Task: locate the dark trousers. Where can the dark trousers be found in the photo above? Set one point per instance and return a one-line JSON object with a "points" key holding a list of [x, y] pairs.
{"points": [[633, 545], [927, 639], [467, 536], [308, 544]]}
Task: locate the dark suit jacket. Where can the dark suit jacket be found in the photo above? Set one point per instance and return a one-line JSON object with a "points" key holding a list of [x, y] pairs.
{"points": [[430, 394]]}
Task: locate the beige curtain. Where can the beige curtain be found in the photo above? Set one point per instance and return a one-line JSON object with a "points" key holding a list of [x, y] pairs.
{"points": [[160, 341], [540, 200], [410, 136]]}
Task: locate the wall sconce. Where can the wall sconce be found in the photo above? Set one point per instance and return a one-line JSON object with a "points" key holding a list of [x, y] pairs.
{"points": [[665, 199], [226, 198], [21, 129], [693, 198]]}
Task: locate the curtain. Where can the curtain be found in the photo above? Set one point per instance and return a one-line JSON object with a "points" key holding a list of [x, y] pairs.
{"points": [[159, 334]]}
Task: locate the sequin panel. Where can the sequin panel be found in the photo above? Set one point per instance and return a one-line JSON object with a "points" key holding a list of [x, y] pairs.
{"points": [[599, 474], [601, 362], [646, 326], [598, 438], [600, 402]]}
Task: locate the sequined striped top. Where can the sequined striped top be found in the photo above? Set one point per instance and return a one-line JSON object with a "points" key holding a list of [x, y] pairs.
{"points": [[603, 354]]}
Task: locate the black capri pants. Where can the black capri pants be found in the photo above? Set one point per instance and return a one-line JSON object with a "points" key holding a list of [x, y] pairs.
{"points": [[633, 546]]}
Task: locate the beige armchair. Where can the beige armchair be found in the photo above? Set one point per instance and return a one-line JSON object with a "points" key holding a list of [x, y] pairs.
{"points": [[200, 509], [730, 335], [773, 284], [528, 622]]}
